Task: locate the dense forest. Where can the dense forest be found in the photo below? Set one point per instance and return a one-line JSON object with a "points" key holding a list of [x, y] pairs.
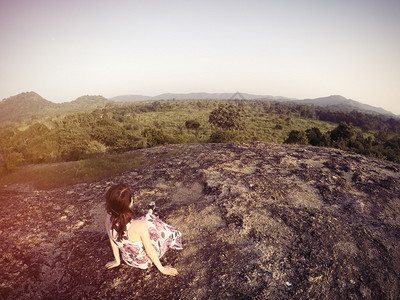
{"points": [[117, 128]]}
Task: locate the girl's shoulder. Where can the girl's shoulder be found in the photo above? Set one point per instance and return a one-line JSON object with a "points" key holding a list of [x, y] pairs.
{"points": [[137, 226], [136, 229]]}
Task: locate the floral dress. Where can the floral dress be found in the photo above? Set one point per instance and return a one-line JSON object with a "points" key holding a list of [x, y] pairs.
{"points": [[162, 236]]}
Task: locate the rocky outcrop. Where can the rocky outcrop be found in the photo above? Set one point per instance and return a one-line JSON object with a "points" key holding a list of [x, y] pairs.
{"points": [[259, 221]]}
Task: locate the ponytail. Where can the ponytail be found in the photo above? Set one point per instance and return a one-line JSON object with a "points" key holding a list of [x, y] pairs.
{"points": [[118, 199]]}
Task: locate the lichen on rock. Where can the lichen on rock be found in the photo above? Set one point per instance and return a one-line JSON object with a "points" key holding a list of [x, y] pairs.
{"points": [[259, 221]]}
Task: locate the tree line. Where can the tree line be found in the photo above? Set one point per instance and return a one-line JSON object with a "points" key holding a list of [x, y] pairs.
{"points": [[346, 137], [120, 128], [385, 144]]}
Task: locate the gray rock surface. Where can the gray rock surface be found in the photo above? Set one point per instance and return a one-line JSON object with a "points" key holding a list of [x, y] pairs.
{"points": [[259, 221]]}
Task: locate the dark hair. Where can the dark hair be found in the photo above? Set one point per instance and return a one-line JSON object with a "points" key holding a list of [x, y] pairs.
{"points": [[118, 199]]}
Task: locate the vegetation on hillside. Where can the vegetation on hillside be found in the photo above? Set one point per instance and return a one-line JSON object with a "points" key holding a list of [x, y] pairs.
{"points": [[369, 134], [29, 105], [118, 128]]}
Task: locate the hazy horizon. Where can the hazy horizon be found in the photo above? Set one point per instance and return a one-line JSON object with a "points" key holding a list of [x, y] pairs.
{"points": [[66, 49]]}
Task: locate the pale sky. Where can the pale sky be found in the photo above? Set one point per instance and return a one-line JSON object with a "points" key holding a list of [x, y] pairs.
{"points": [[301, 49]]}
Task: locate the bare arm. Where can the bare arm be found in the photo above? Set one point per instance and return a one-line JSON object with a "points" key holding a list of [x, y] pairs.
{"points": [[151, 251], [115, 250]]}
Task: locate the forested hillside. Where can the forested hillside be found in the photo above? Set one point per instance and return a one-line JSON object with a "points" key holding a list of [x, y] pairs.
{"points": [[24, 106], [118, 128], [31, 106]]}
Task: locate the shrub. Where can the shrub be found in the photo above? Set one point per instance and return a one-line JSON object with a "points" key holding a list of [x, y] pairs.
{"points": [[222, 136], [314, 136], [155, 137], [192, 124], [392, 149], [297, 137], [10, 162], [227, 116], [343, 132]]}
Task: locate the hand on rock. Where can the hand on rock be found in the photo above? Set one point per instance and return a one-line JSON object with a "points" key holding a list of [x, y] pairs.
{"points": [[169, 270], [112, 264]]}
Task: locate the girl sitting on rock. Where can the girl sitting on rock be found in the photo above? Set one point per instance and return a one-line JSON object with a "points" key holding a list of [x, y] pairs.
{"points": [[142, 241]]}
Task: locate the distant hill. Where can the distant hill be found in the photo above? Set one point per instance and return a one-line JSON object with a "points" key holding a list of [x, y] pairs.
{"points": [[84, 102], [22, 106], [335, 102], [130, 98], [340, 103], [29, 105], [197, 96], [207, 96]]}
